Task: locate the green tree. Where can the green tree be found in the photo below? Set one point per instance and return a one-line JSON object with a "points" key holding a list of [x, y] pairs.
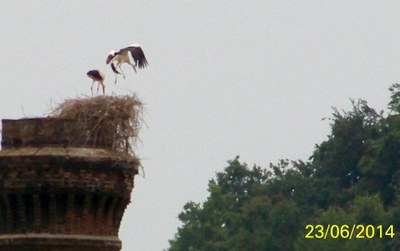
{"points": [[235, 216], [352, 178]]}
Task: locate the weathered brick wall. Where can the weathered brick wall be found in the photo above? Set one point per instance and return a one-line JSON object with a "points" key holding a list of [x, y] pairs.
{"points": [[51, 242], [51, 131], [60, 197]]}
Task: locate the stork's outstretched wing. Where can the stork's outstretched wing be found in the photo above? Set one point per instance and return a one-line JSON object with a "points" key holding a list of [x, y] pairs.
{"points": [[138, 55]]}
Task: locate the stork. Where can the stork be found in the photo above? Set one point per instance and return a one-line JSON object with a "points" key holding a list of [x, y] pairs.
{"points": [[122, 56], [98, 76]]}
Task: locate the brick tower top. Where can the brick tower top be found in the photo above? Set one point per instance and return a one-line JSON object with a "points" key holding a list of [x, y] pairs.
{"points": [[59, 189]]}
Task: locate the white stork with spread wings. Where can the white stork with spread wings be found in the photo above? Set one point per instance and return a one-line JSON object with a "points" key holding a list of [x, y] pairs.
{"points": [[122, 57]]}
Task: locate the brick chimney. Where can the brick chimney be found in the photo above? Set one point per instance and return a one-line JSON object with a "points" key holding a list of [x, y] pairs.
{"points": [[60, 190]]}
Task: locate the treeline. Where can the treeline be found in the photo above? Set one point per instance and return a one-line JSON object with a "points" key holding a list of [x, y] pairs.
{"points": [[344, 197]]}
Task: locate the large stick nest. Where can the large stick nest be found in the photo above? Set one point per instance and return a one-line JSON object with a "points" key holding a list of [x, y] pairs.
{"points": [[106, 121]]}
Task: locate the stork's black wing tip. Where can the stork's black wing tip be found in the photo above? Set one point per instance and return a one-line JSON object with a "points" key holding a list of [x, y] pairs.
{"points": [[142, 63]]}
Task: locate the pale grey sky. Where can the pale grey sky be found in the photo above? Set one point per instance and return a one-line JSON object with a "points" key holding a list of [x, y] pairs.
{"points": [[252, 78]]}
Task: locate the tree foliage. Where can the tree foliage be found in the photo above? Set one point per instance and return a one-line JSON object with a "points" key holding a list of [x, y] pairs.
{"points": [[352, 178]]}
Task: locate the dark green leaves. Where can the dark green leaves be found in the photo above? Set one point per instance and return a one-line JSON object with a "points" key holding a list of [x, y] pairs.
{"points": [[351, 178]]}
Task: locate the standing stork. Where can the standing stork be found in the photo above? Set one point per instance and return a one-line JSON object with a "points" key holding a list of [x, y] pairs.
{"points": [[122, 57], [98, 76]]}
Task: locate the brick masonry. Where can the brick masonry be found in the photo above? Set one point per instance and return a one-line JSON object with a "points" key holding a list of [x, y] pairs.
{"points": [[56, 195]]}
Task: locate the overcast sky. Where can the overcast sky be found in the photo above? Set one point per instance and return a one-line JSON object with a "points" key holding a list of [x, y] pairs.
{"points": [[225, 78]]}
